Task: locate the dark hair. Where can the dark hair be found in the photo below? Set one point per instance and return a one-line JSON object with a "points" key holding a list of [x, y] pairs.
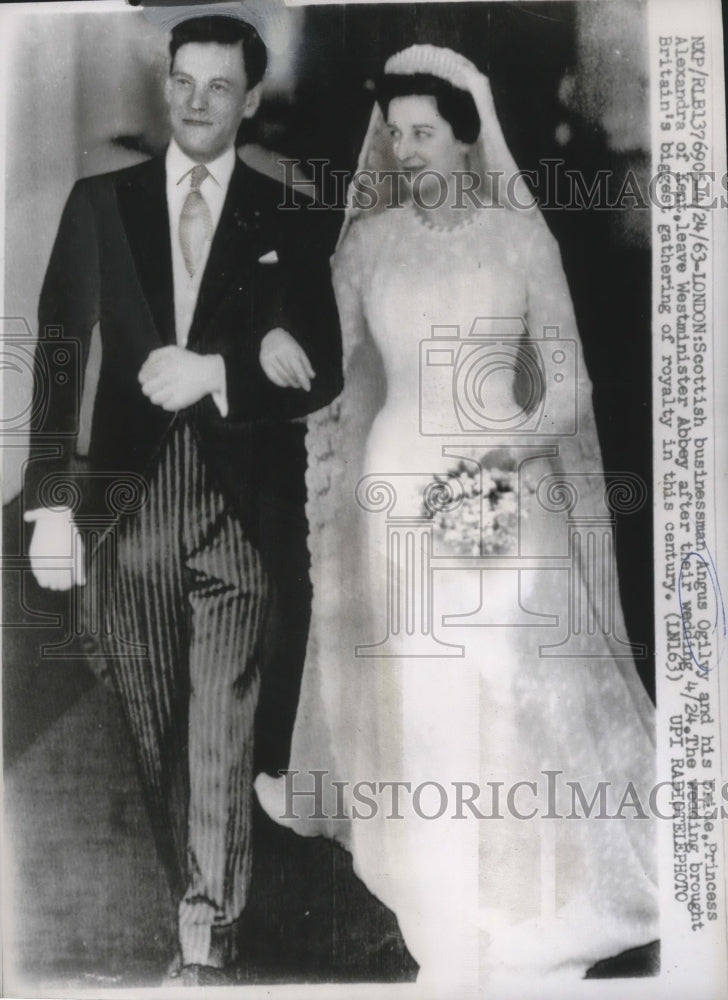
{"points": [[225, 31], [455, 105]]}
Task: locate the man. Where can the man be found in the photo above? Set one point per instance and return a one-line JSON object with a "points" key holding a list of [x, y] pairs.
{"points": [[218, 325]]}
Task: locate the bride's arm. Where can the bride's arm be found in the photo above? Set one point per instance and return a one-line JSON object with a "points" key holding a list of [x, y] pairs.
{"points": [[348, 267], [337, 434], [568, 411], [352, 266]]}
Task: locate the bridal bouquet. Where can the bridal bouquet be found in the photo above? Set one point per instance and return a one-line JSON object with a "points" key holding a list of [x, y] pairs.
{"points": [[482, 515]]}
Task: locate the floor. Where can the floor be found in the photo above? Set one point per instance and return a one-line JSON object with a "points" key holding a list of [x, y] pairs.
{"points": [[88, 893], [88, 904]]}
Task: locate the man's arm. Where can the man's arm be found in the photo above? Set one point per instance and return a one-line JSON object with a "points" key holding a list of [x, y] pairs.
{"points": [[67, 312], [314, 318], [295, 316]]}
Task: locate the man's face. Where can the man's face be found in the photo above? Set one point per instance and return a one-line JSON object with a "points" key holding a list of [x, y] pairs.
{"points": [[207, 96]]}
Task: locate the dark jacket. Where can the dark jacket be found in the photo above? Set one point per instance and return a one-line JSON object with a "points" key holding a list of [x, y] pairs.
{"points": [[111, 264]]}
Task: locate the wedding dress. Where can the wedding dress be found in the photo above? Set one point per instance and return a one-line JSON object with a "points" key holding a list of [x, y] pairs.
{"points": [[467, 640]]}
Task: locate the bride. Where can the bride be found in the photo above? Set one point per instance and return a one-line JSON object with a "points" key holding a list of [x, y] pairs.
{"points": [[468, 695]]}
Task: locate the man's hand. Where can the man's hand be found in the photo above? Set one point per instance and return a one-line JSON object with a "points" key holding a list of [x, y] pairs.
{"points": [[284, 361], [56, 549], [173, 377]]}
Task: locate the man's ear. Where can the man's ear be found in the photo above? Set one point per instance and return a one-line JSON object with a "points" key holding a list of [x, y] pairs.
{"points": [[252, 100]]}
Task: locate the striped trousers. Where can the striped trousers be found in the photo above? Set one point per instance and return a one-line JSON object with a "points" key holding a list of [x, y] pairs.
{"points": [[184, 652]]}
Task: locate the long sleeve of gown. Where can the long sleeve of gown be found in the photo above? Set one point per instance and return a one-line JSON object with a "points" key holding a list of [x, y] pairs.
{"points": [[337, 435], [568, 410]]}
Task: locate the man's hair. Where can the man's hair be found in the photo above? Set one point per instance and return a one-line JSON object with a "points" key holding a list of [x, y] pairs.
{"points": [[456, 106], [224, 31]]}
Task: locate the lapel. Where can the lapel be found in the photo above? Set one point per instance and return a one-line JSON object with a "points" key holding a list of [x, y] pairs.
{"points": [[234, 246], [142, 200]]}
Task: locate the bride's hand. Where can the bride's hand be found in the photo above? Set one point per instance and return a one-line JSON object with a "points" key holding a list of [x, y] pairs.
{"points": [[284, 361]]}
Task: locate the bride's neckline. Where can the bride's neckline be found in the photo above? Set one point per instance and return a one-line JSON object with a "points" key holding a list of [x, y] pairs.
{"points": [[466, 222]]}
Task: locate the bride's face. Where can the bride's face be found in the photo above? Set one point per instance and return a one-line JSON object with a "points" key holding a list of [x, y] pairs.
{"points": [[422, 139]]}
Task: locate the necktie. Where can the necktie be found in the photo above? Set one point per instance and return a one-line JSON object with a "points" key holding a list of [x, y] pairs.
{"points": [[195, 221]]}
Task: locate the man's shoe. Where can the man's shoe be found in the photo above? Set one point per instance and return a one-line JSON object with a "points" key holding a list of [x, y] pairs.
{"points": [[222, 957], [199, 975], [195, 975]]}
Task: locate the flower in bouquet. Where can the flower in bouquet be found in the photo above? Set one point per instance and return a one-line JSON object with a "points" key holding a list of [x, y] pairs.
{"points": [[481, 517]]}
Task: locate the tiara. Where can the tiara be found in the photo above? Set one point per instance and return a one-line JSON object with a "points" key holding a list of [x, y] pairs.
{"points": [[437, 61]]}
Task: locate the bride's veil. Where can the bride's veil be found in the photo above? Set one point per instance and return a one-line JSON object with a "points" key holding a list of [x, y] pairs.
{"points": [[497, 178]]}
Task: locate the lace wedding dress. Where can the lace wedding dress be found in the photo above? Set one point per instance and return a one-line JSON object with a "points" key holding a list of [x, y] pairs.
{"points": [[429, 665]]}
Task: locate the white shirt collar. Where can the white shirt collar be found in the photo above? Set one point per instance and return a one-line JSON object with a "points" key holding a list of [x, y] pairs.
{"points": [[179, 165]]}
